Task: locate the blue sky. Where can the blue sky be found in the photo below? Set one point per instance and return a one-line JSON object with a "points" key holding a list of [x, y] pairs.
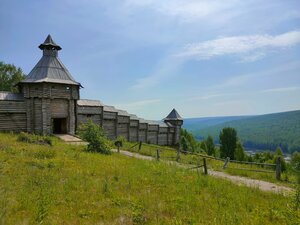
{"points": [[202, 57]]}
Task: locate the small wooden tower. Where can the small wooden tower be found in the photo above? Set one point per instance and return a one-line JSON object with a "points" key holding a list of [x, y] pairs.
{"points": [[176, 121], [50, 94]]}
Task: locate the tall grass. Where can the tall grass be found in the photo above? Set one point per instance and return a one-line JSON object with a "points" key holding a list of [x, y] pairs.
{"points": [[73, 186], [289, 178]]}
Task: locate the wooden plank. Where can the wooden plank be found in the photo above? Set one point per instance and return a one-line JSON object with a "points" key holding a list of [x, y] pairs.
{"points": [[109, 128], [92, 110], [13, 122], [12, 107], [59, 108]]}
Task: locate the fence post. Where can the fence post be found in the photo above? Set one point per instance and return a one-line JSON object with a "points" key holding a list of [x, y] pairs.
{"points": [[205, 166], [157, 154], [118, 144], [226, 162], [178, 155], [140, 145], [278, 168]]}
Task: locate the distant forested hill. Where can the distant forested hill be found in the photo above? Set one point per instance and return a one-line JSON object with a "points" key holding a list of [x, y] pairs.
{"points": [[200, 123], [259, 132]]}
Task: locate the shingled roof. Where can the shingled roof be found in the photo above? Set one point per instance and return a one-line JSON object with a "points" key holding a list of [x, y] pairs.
{"points": [[173, 116], [50, 68], [88, 102]]}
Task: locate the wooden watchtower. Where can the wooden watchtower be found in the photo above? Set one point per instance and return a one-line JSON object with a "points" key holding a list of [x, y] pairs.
{"points": [[175, 120], [50, 94]]}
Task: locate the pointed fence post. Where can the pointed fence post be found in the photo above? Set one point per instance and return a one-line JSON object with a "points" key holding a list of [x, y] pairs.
{"points": [[226, 162], [178, 155], [157, 154], [278, 168]]}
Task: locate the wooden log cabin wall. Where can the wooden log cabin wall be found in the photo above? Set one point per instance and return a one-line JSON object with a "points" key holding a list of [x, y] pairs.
{"points": [[116, 122], [12, 112], [49, 102]]}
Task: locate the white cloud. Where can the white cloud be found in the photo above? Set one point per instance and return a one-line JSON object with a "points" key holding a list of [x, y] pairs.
{"points": [[283, 89], [235, 81], [248, 48], [253, 57]]}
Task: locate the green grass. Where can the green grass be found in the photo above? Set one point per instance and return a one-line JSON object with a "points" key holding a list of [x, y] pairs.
{"points": [[288, 178], [63, 184]]}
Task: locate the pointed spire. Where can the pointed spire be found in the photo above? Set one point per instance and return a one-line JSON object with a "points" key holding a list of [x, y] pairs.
{"points": [[173, 115], [49, 44]]}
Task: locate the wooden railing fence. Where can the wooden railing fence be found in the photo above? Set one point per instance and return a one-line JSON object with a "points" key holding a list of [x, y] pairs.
{"points": [[262, 167]]}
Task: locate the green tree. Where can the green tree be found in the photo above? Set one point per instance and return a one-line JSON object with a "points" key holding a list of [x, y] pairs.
{"points": [[188, 142], [239, 153], [9, 77], [228, 140], [295, 161], [210, 146], [94, 135], [184, 143], [203, 146]]}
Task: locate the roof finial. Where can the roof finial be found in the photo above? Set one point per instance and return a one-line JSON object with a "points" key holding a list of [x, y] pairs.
{"points": [[49, 44]]}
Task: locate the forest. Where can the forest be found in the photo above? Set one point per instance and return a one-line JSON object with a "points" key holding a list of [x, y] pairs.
{"points": [[265, 132]]}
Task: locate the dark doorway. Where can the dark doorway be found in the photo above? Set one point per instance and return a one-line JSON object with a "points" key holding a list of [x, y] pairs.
{"points": [[59, 125]]}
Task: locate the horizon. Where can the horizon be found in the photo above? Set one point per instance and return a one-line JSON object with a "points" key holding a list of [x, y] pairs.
{"points": [[204, 58]]}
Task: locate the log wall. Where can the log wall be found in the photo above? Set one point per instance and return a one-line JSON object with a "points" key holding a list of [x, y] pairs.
{"points": [[13, 116], [117, 123], [36, 114]]}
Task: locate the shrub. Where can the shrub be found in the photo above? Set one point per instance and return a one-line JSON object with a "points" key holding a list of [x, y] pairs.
{"points": [[35, 139], [239, 152], [122, 140], [94, 135]]}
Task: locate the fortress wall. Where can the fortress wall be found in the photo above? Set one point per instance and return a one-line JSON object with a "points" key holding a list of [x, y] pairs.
{"points": [[142, 135], [13, 116], [171, 136], [134, 130], [86, 113], [163, 136], [37, 115], [109, 124], [119, 123], [123, 126], [152, 136]]}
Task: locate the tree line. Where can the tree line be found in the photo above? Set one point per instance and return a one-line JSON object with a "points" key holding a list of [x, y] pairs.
{"points": [[230, 146]]}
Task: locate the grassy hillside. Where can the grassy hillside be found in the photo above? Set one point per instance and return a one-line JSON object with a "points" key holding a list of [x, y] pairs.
{"points": [[263, 132], [63, 184]]}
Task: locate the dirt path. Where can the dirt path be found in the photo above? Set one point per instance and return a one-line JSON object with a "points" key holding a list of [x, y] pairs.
{"points": [[70, 139], [262, 185]]}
